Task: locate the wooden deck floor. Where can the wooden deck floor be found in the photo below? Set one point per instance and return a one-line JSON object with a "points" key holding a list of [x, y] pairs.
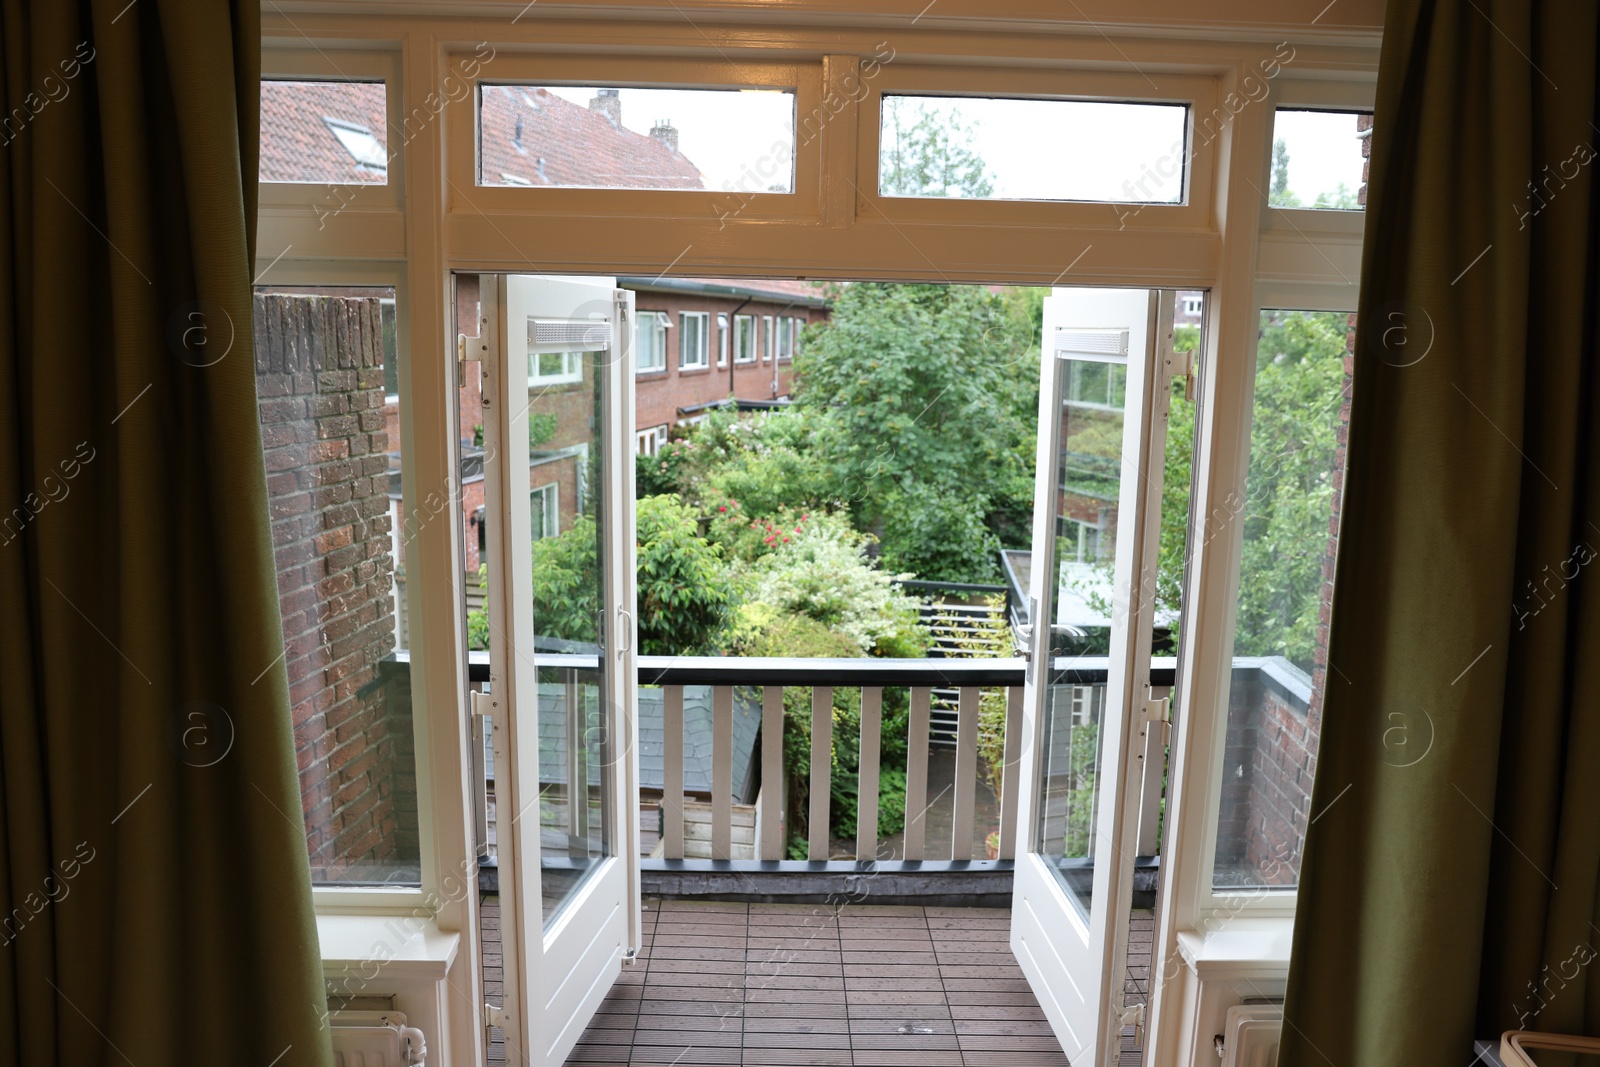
{"points": [[805, 985]]}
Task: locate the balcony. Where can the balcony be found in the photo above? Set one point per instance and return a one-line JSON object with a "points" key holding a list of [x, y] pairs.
{"points": [[872, 950]]}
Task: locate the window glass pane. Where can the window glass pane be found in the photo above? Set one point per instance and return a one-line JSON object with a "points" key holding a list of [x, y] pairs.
{"points": [[330, 428], [324, 131], [579, 137], [983, 148], [1280, 656], [1319, 159]]}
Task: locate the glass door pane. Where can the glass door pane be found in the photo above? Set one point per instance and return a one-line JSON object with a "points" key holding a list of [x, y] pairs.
{"points": [[1092, 365], [568, 526]]}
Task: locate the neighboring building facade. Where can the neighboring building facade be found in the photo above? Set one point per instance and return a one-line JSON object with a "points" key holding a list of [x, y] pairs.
{"points": [[701, 341]]}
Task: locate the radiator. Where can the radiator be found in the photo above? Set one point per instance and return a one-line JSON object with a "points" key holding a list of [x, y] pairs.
{"points": [[1250, 1036], [375, 1039]]}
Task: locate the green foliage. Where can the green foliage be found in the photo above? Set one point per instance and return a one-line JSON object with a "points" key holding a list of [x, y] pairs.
{"points": [[822, 571], [541, 428], [928, 152], [922, 400], [685, 593], [993, 639]]}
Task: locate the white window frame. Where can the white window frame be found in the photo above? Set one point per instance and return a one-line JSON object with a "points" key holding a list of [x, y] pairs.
{"points": [[744, 339], [702, 332], [768, 339], [547, 498], [653, 323], [430, 218], [571, 369], [722, 339], [649, 442]]}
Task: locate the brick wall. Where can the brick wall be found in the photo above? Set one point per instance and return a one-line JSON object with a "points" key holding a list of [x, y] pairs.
{"points": [[319, 374]]}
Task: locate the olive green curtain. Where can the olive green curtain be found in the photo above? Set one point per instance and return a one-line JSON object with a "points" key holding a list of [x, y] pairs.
{"points": [[1449, 884], [153, 873]]}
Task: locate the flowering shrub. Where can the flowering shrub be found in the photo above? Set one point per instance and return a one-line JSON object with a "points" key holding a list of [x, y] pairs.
{"points": [[819, 568]]}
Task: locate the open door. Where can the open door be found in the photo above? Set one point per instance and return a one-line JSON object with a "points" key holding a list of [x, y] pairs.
{"points": [[1102, 423], [558, 473]]}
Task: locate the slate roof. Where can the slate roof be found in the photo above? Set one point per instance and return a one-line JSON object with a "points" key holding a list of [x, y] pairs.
{"points": [[533, 135], [298, 145], [696, 745]]}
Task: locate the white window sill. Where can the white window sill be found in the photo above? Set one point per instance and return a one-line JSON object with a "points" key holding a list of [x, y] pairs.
{"points": [[1240, 950], [394, 947]]}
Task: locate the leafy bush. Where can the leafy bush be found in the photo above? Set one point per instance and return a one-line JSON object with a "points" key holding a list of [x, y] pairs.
{"points": [[823, 572], [685, 595]]}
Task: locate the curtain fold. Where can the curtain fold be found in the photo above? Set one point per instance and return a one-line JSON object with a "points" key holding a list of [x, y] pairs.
{"points": [[153, 869], [1454, 897]]}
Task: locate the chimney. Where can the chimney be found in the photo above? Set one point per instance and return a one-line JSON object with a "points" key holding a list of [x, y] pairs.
{"points": [[609, 104], [665, 132]]}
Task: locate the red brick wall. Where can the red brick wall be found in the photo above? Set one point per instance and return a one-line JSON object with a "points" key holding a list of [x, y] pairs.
{"points": [[661, 394], [319, 373]]}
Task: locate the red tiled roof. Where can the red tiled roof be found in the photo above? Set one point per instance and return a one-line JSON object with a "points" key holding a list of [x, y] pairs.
{"points": [[296, 143], [559, 142], [562, 143]]}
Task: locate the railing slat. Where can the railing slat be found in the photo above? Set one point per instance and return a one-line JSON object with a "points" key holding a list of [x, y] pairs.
{"points": [[821, 769], [867, 789], [772, 843], [1011, 774], [966, 787], [672, 772], [577, 766], [917, 772], [722, 772]]}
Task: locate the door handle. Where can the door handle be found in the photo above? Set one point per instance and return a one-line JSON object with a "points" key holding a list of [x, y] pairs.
{"points": [[625, 643]]}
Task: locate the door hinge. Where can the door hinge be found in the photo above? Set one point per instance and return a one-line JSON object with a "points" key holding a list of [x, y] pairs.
{"points": [[1180, 367], [1156, 711], [470, 350], [483, 705]]}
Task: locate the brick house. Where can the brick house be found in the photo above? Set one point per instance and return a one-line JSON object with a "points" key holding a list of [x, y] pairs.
{"points": [[704, 341]]}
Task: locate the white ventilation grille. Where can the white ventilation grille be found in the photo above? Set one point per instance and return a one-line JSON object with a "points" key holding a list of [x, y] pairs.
{"points": [[1106, 345], [375, 1039], [581, 336]]}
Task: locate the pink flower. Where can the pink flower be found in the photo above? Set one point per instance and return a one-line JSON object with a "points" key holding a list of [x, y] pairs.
{"points": [[722, 509]]}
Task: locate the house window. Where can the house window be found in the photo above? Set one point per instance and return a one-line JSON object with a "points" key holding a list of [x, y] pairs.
{"points": [[787, 328], [1193, 305], [693, 344], [744, 338], [722, 340], [798, 325], [545, 506], [1097, 385], [766, 338], [649, 442], [650, 343], [552, 368]]}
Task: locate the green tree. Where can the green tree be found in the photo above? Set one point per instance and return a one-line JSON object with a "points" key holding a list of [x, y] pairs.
{"points": [[1288, 500], [920, 400], [1278, 194], [928, 151]]}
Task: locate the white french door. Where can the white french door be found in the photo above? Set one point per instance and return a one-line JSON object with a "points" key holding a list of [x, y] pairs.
{"points": [[558, 472], [1104, 394]]}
